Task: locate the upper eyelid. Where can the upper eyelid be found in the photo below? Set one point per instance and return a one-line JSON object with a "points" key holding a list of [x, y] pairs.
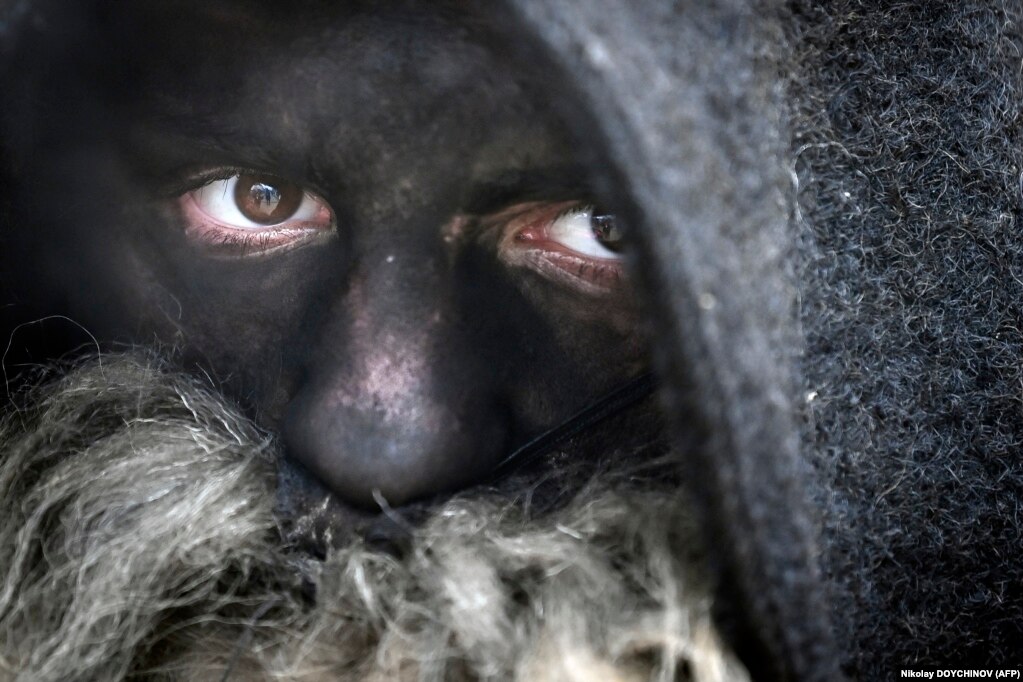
{"points": [[574, 208], [524, 186], [197, 179]]}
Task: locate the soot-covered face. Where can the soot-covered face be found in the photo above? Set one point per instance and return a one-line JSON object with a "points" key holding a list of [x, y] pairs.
{"points": [[364, 222]]}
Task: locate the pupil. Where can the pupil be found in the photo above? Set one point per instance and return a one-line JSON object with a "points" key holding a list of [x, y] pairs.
{"points": [[266, 200], [266, 195], [606, 231]]}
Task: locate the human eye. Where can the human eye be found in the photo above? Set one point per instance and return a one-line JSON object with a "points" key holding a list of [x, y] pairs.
{"points": [[574, 243], [251, 214], [587, 231]]}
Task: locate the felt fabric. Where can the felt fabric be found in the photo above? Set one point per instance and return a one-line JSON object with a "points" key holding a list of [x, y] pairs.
{"points": [[687, 97]]}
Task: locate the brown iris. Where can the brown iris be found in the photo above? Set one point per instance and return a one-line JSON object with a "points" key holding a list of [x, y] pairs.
{"points": [[265, 199]]}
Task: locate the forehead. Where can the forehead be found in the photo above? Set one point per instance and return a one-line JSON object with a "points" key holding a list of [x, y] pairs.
{"points": [[351, 62], [428, 83]]}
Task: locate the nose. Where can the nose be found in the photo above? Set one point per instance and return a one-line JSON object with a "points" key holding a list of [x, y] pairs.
{"points": [[399, 408]]}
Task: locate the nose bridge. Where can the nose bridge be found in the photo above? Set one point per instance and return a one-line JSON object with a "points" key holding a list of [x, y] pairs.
{"points": [[397, 328], [399, 320], [396, 402]]}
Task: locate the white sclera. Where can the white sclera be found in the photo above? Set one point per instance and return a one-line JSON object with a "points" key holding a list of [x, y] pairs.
{"points": [[575, 231]]}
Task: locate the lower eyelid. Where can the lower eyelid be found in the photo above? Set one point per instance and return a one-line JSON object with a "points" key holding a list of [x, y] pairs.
{"points": [[220, 240], [584, 275]]}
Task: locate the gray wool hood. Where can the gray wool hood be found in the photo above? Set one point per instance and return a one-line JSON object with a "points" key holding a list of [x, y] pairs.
{"points": [[688, 101]]}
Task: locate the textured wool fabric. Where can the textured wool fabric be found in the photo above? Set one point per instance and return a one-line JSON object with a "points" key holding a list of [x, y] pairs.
{"points": [[908, 150], [138, 538]]}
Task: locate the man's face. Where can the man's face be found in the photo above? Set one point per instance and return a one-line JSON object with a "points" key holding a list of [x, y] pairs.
{"points": [[363, 222]]}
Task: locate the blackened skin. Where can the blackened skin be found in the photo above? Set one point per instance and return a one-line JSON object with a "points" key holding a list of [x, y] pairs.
{"points": [[399, 357]]}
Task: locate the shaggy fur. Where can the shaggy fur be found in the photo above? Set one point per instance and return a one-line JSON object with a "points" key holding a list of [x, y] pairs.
{"points": [[138, 539]]}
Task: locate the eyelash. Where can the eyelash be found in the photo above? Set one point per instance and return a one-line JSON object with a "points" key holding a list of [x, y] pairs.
{"points": [[197, 180]]}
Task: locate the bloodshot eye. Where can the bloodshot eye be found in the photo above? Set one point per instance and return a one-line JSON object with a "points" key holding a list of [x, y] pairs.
{"points": [[578, 245], [251, 214], [588, 232]]}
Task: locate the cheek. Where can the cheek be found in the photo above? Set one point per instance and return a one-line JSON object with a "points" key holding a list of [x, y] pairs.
{"points": [[598, 332], [554, 349], [248, 326], [574, 352], [571, 378]]}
